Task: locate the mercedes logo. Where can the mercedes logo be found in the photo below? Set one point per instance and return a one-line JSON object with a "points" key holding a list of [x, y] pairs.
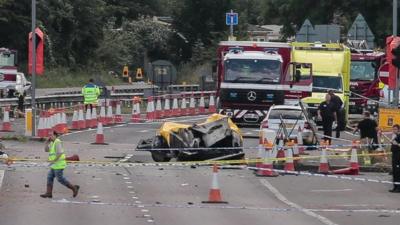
{"points": [[251, 96]]}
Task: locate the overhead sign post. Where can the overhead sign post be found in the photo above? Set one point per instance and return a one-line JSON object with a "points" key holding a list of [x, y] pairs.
{"points": [[231, 19]]}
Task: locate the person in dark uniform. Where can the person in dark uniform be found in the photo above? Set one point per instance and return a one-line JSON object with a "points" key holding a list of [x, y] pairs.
{"points": [[338, 105], [327, 112], [368, 129], [395, 148]]}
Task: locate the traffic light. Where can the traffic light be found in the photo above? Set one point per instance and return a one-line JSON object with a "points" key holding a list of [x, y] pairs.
{"points": [[139, 74], [125, 72], [396, 56]]}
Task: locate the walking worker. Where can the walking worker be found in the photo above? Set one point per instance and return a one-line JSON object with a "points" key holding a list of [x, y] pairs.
{"points": [[57, 165], [327, 113], [338, 105], [91, 94], [368, 129], [395, 148]]}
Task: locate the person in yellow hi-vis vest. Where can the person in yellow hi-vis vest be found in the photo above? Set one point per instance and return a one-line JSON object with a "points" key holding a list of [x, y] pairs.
{"points": [[90, 94], [57, 165]]}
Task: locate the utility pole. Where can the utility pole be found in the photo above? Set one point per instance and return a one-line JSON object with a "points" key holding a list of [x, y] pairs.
{"points": [[33, 102], [231, 26]]}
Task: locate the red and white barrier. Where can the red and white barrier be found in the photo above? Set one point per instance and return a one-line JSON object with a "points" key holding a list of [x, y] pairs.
{"points": [[202, 105], [175, 107], [167, 107], [184, 110], [211, 107], [159, 113], [192, 106], [135, 117], [150, 114]]}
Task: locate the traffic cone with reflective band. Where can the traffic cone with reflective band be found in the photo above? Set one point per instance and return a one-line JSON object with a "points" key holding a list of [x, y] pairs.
{"points": [[109, 117], [99, 135], [6, 127], [81, 120], [175, 108], [289, 164], [184, 110], [300, 144], [64, 125], [202, 109], [266, 169], [354, 168], [323, 162], [211, 106], [260, 152], [167, 107], [93, 123], [135, 118], [75, 123], [215, 193], [102, 118], [88, 118], [118, 115], [192, 105], [150, 109], [159, 112], [41, 130]]}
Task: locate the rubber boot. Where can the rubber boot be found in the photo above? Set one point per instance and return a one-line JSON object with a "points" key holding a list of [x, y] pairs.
{"points": [[74, 188], [49, 192]]}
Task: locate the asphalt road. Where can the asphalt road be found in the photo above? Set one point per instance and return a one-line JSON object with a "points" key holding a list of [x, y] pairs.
{"points": [[173, 194]]}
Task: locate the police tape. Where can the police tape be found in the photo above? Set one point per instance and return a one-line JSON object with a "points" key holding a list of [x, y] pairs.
{"points": [[332, 147], [246, 161], [94, 164]]}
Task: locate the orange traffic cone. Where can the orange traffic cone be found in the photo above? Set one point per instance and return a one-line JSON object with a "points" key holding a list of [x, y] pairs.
{"points": [[88, 118], [192, 106], [135, 118], [323, 163], [167, 107], [150, 114], [300, 144], [202, 109], [211, 105], [215, 193], [260, 153], [102, 118], [81, 120], [266, 168], [93, 123], [6, 120], [99, 135], [175, 108], [184, 110], [75, 123], [289, 165], [118, 115], [159, 113], [354, 168]]}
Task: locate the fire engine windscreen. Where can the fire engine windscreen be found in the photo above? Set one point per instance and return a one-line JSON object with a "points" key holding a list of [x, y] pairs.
{"points": [[7, 59], [362, 70], [325, 83], [252, 71]]}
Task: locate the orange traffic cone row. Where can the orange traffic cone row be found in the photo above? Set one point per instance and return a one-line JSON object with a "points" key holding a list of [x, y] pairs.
{"points": [[184, 110], [289, 165], [6, 120], [354, 168], [192, 106], [323, 162], [175, 108], [266, 168], [99, 135], [215, 193], [75, 122]]}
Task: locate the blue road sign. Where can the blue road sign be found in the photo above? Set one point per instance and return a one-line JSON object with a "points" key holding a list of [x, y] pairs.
{"points": [[232, 19]]}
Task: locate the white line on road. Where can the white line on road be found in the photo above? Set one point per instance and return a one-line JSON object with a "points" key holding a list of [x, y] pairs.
{"points": [[282, 198], [1, 177], [331, 190]]}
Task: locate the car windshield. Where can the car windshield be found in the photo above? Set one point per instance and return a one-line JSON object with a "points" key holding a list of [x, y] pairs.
{"points": [[288, 114], [252, 71], [325, 83], [362, 70], [7, 59]]}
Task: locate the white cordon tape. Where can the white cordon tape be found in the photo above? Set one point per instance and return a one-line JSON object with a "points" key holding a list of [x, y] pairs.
{"points": [[182, 164]]}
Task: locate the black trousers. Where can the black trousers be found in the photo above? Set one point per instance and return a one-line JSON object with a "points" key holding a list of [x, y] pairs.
{"points": [[90, 105], [340, 123], [327, 127], [396, 166]]}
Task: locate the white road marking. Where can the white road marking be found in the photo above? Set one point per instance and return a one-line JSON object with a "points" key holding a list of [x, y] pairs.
{"points": [[144, 210], [282, 198], [128, 182], [143, 131], [1, 177], [332, 190], [130, 187]]}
